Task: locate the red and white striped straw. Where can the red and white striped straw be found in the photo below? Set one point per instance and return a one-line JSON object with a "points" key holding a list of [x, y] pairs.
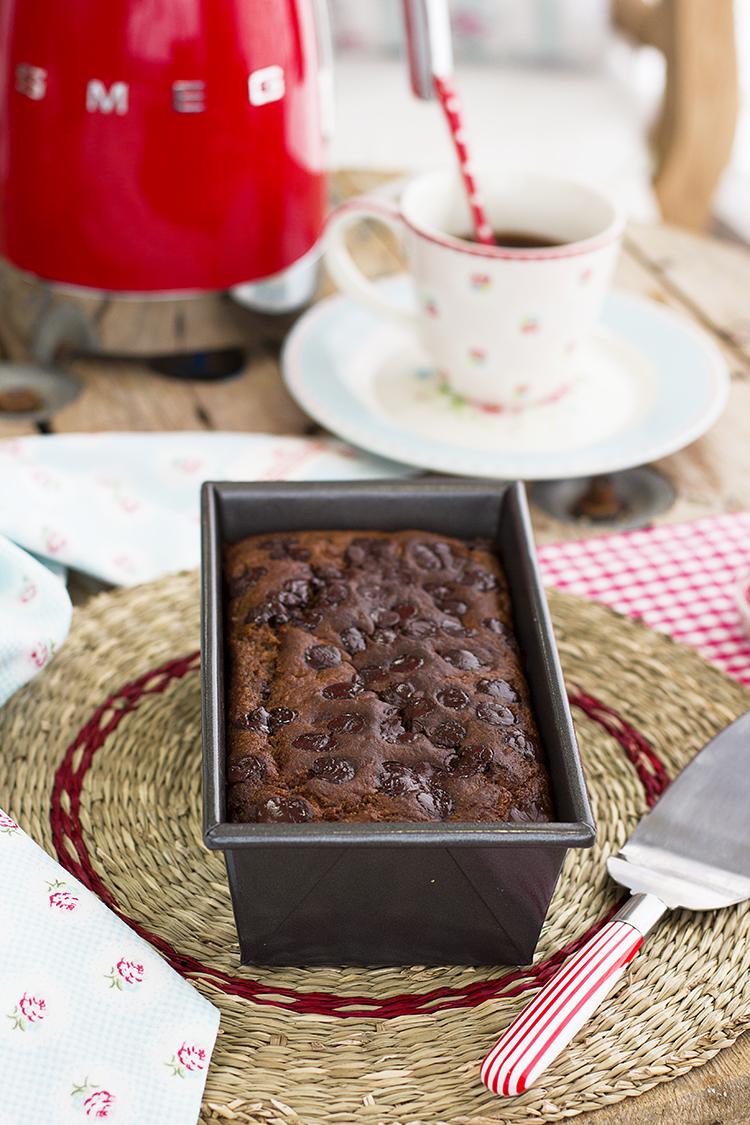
{"points": [[447, 93]]}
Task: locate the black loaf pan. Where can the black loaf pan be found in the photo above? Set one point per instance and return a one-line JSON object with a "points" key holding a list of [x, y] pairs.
{"points": [[392, 894]]}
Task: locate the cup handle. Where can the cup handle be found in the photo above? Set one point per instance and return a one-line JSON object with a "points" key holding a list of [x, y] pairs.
{"points": [[341, 266]]}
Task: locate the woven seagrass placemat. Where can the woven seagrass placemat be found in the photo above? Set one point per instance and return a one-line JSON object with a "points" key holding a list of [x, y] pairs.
{"points": [[101, 764]]}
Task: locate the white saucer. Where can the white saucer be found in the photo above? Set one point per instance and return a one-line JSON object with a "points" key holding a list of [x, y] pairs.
{"points": [[646, 384]]}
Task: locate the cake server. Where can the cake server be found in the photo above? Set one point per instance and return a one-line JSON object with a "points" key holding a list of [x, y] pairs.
{"points": [[692, 850]]}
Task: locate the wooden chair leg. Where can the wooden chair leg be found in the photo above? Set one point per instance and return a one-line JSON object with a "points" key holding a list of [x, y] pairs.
{"points": [[695, 133]]}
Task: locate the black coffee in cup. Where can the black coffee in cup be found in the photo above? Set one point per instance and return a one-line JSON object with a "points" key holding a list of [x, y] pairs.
{"points": [[519, 240]]}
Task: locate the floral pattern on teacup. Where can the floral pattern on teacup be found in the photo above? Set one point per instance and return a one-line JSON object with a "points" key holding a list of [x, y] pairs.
{"points": [[93, 1100], [480, 282], [529, 325], [430, 306], [477, 355], [187, 1059], [28, 1011]]}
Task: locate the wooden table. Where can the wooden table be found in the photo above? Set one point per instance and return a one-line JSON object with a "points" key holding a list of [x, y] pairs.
{"points": [[706, 280]]}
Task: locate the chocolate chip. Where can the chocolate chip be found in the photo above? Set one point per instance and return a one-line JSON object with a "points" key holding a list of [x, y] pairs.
{"points": [[315, 741], [311, 620], [461, 658], [348, 723], [499, 689], [284, 548], [333, 594], [386, 617], [454, 606], [372, 592], [243, 582], [422, 707], [323, 656], [276, 548], [405, 610], [258, 719], [335, 770], [280, 716], [439, 593], [353, 640], [495, 714], [409, 662], [453, 697], [448, 734], [420, 628], [444, 553], [346, 690], [481, 579], [397, 779], [425, 557], [289, 810], [297, 592], [435, 801], [404, 692], [495, 626], [364, 549], [328, 571], [383, 637], [408, 736], [518, 741], [249, 769], [455, 629], [269, 612], [391, 727], [469, 760]]}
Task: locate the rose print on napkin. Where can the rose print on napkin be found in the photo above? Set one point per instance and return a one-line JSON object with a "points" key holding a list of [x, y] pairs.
{"points": [[7, 825], [73, 1046], [28, 1011], [187, 1058], [125, 974], [92, 1100], [60, 898]]}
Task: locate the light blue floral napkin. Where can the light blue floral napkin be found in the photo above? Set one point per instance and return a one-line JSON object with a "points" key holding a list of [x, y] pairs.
{"points": [[125, 509], [94, 1025], [35, 615]]}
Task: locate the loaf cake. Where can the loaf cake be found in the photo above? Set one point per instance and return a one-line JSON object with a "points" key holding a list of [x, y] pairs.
{"points": [[375, 676]]}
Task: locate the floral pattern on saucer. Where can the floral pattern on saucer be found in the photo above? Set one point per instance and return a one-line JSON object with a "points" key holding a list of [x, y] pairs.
{"points": [[521, 404]]}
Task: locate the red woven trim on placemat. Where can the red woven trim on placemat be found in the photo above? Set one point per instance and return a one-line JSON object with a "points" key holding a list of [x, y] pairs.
{"points": [[67, 834]]}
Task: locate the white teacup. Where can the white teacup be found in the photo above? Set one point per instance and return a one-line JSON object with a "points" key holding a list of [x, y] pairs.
{"points": [[501, 324]]}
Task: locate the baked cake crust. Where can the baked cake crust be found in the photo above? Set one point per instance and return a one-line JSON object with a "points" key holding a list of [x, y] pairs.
{"points": [[375, 676]]}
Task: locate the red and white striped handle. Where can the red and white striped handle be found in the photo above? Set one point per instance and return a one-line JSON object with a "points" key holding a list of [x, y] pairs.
{"points": [[538, 1035]]}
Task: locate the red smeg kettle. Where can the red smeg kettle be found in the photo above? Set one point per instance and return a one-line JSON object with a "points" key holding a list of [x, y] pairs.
{"points": [[170, 145]]}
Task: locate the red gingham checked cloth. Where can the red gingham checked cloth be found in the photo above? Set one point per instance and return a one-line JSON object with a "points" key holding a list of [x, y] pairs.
{"points": [[679, 579]]}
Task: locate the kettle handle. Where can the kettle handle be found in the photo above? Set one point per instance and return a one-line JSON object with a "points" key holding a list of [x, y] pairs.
{"points": [[341, 266], [324, 37]]}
